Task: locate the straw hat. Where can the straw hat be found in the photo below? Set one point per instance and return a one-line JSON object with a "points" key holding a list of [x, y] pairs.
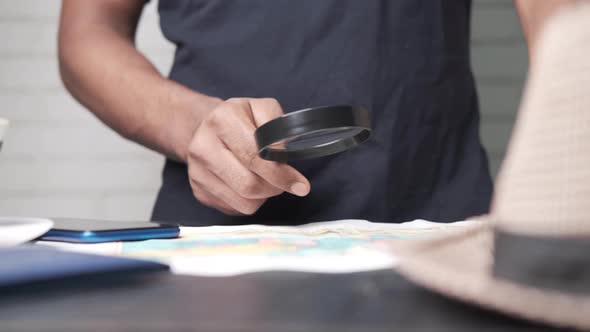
{"points": [[532, 259]]}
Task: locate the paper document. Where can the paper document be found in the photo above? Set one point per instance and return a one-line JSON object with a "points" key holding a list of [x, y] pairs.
{"points": [[329, 247]]}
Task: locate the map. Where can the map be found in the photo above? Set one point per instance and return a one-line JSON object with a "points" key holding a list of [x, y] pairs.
{"points": [[340, 246]]}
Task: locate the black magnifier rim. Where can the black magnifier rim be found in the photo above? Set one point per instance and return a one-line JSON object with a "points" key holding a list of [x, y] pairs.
{"points": [[311, 120]]}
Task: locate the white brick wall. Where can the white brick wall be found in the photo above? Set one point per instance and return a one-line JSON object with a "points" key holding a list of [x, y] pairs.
{"points": [[58, 160]]}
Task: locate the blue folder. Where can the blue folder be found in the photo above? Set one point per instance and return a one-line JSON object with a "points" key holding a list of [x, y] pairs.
{"points": [[30, 264]]}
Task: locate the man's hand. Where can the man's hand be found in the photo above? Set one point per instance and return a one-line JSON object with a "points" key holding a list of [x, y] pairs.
{"points": [[224, 168]]}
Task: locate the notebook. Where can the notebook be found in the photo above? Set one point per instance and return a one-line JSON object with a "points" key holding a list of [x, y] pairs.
{"points": [[31, 264]]}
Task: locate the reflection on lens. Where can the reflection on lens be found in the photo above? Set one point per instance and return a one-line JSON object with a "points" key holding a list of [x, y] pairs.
{"points": [[315, 138]]}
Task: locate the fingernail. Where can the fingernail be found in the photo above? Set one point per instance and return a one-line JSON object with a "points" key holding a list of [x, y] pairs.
{"points": [[299, 189]]}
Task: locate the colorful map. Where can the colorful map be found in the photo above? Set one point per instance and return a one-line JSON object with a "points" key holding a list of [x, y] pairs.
{"points": [[340, 246], [274, 245]]}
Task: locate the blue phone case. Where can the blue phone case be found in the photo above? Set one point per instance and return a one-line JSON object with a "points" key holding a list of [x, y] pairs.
{"points": [[111, 235]]}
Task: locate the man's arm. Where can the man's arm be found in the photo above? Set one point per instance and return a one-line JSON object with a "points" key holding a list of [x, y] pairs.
{"points": [[533, 15], [102, 69]]}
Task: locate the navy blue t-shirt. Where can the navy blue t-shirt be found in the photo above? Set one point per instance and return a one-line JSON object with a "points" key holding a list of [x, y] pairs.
{"points": [[407, 61]]}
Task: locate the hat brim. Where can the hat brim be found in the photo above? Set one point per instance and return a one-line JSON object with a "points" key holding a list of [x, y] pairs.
{"points": [[459, 265]]}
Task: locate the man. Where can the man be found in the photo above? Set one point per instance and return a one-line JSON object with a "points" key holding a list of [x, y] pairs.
{"points": [[239, 64]]}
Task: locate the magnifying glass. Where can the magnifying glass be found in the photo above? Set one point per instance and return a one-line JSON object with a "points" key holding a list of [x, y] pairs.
{"points": [[313, 132]]}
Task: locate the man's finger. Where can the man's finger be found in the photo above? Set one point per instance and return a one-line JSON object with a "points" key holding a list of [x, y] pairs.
{"points": [[239, 139], [214, 202], [264, 110], [240, 179], [281, 176], [208, 181]]}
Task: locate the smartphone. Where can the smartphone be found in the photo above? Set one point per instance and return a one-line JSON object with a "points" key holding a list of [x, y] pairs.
{"points": [[96, 231]]}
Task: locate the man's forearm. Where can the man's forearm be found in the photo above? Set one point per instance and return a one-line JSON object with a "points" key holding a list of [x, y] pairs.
{"points": [[534, 14], [102, 69]]}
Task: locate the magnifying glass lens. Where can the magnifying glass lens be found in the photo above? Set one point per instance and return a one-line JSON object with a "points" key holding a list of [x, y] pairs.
{"points": [[313, 132], [315, 139]]}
